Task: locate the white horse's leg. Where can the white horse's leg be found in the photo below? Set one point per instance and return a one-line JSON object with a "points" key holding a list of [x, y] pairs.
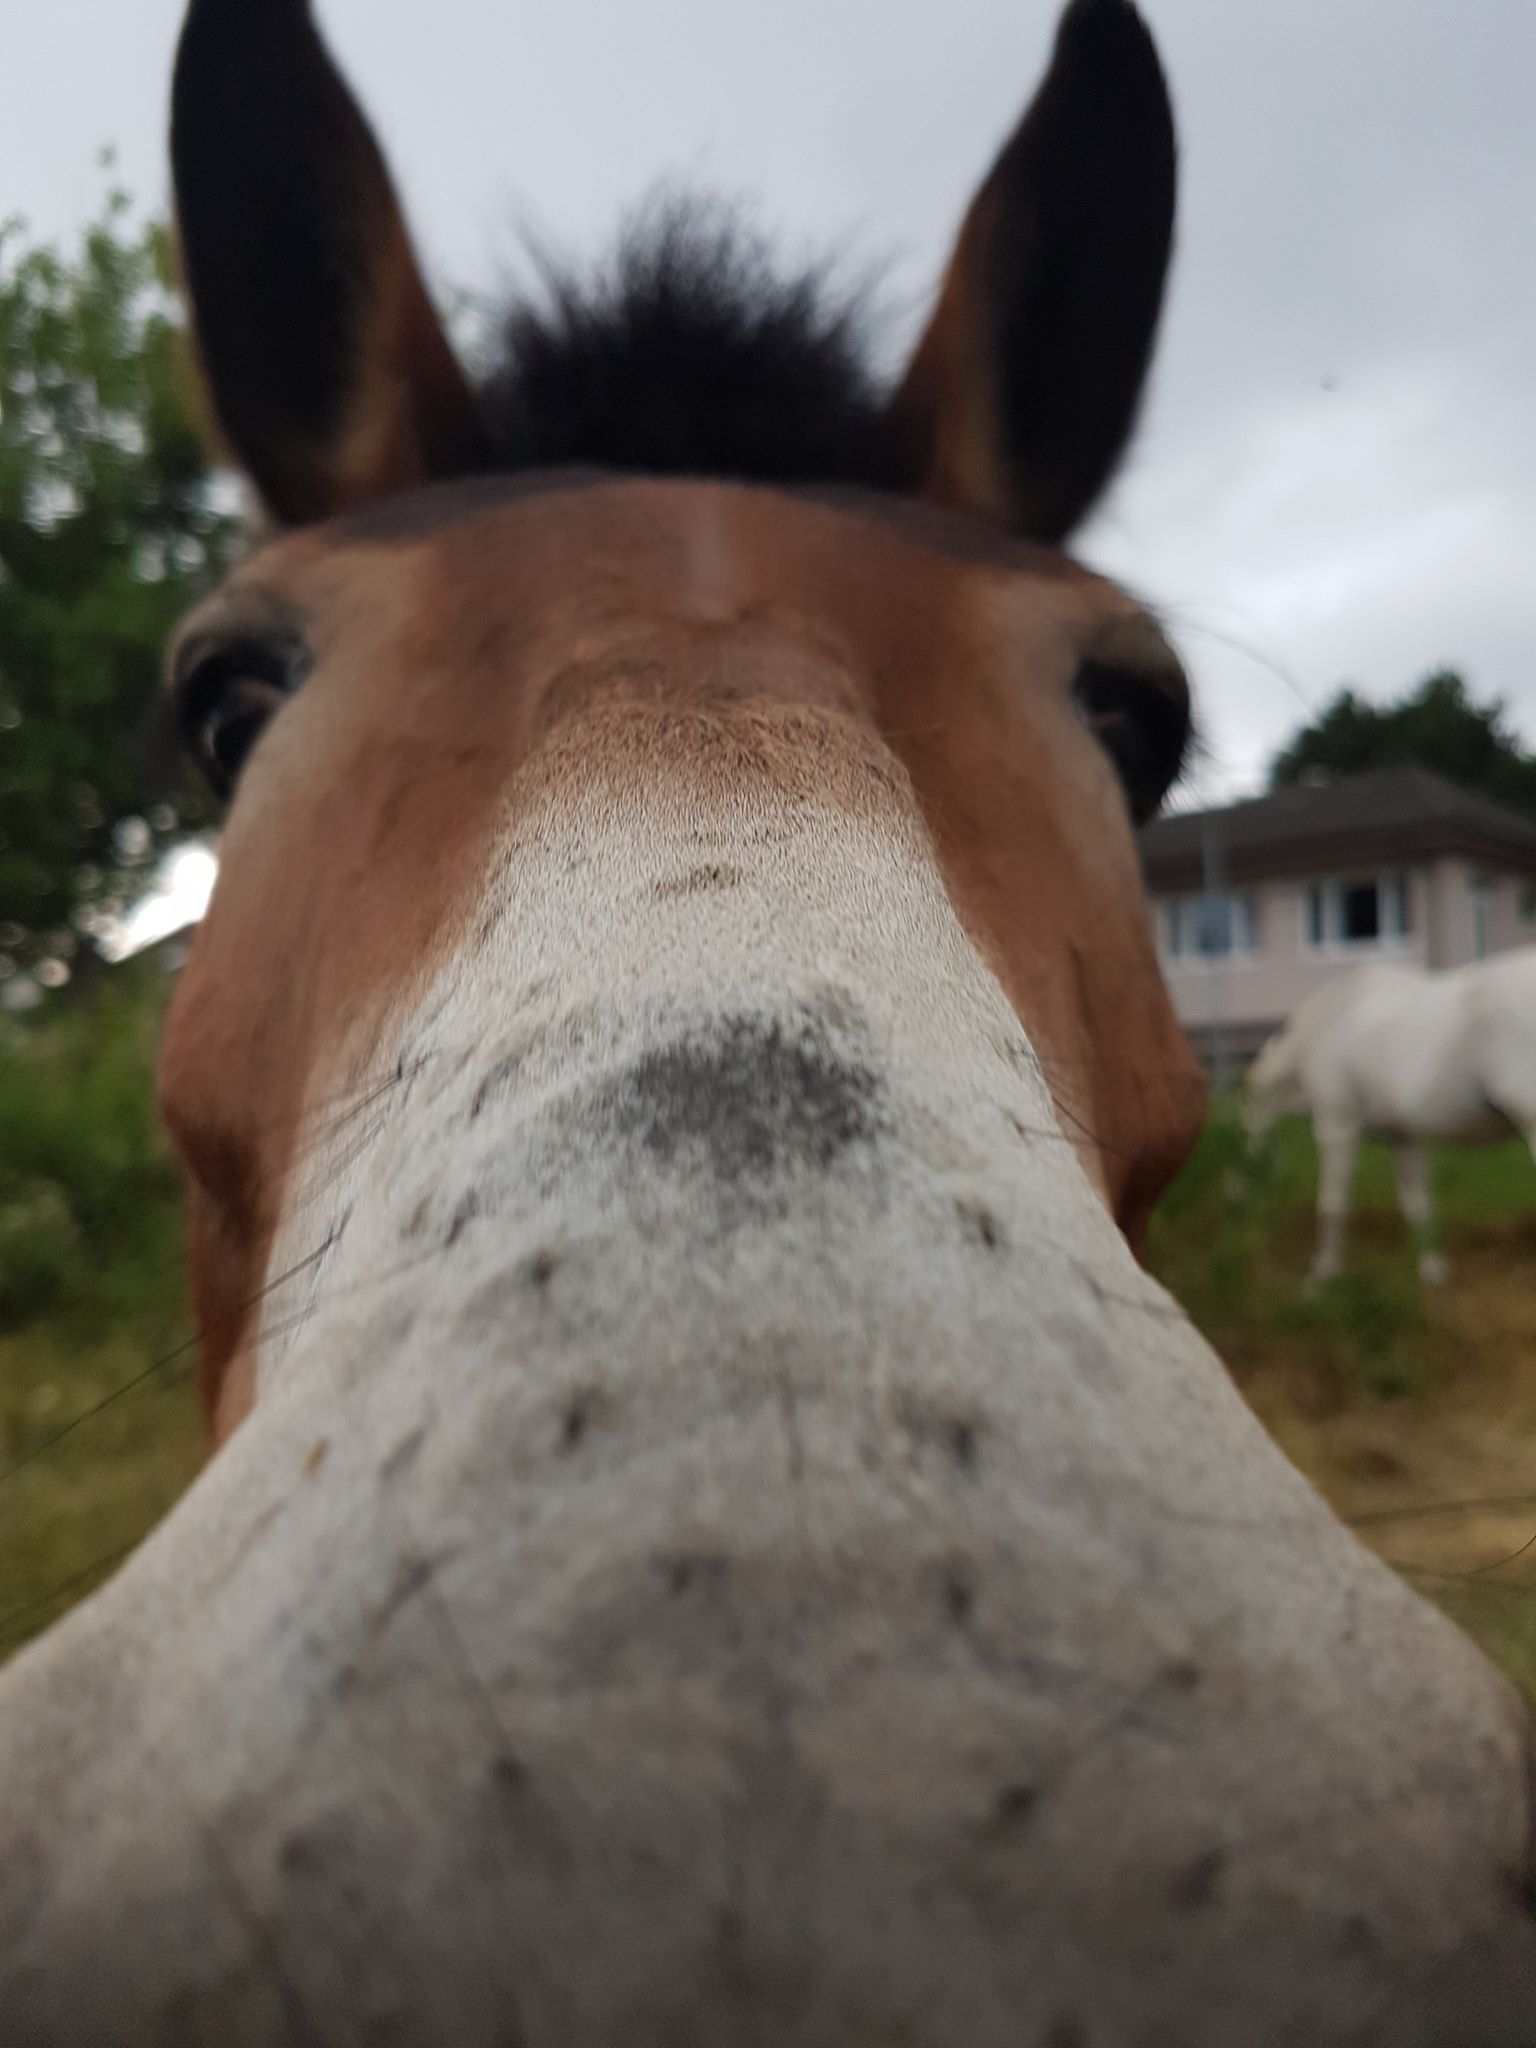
{"points": [[1414, 1195], [1338, 1147]]}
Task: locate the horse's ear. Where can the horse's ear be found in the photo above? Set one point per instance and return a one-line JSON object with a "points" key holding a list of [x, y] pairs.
{"points": [[327, 370], [1025, 388]]}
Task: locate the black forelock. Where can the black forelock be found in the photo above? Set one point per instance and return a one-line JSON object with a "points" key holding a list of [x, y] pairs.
{"points": [[692, 353]]}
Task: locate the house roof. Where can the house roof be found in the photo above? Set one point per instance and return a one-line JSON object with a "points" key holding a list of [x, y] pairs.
{"points": [[1400, 814]]}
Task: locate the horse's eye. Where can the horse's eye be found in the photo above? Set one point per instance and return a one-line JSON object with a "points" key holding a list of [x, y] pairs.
{"points": [[1142, 721], [226, 730], [225, 700]]}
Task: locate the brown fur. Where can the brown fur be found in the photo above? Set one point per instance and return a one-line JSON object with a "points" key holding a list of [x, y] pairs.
{"points": [[442, 658], [452, 626]]}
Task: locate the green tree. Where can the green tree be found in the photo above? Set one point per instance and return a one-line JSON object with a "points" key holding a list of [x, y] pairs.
{"points": [[110, 524], [1439, 725]]}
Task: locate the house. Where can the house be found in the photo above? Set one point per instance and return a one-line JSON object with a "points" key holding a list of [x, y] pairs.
{"points": [[1260, 903]]}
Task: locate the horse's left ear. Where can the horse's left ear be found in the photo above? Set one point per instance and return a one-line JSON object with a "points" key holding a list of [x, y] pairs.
{"points": [[326, 367], [1025, 388]]}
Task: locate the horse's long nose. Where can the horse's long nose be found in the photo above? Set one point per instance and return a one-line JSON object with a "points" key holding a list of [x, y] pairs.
{"points": [[847, 1699], [778, 1571]]}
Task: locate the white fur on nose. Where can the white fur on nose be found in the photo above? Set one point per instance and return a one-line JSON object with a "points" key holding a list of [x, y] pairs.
{"points": [[777, 1569]]}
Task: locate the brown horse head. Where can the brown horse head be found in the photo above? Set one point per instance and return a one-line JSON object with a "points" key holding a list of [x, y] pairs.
{"points": [[876, 570], [715, 1539]]}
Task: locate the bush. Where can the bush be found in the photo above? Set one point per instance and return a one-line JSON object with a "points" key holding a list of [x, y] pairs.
{"points": [[40, 1254], [89, 1197], [99, 1426]]}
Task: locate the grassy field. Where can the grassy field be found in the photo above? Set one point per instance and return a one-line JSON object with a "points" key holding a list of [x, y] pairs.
{"points": [[99, 1429], [1412, 1409], [1414, 1412]]}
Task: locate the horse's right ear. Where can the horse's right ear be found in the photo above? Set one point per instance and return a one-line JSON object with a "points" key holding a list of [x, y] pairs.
{"points": [[327, 370], [1023, 393]]}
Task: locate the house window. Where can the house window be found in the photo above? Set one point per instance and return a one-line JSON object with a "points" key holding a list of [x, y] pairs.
{"points": [[1211, 927], [1363, 910]]}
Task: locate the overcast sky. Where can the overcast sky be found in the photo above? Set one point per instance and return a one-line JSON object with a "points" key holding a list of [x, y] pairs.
{"points": [[1336, 479]]}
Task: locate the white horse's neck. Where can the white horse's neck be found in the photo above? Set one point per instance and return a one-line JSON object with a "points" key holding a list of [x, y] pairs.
{"points": [[728, 1528]]}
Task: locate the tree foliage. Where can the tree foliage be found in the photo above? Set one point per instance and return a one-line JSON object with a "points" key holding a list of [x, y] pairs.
{"points": [[1439, 725], [110, 525]]}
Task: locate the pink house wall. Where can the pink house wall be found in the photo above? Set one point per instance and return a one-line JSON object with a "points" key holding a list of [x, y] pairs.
{"points": [[1251, 994]]}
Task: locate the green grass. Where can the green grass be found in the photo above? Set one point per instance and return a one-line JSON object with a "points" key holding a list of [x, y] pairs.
{"points": [[1233, 1238], [99, 1429], [1386, 1393]]}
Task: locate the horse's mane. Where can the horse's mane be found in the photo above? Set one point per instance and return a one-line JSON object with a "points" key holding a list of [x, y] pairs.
{"points": [[691, 353]]}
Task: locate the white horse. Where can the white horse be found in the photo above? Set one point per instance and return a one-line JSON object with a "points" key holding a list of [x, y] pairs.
{"points": [[1411, 1057]]}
